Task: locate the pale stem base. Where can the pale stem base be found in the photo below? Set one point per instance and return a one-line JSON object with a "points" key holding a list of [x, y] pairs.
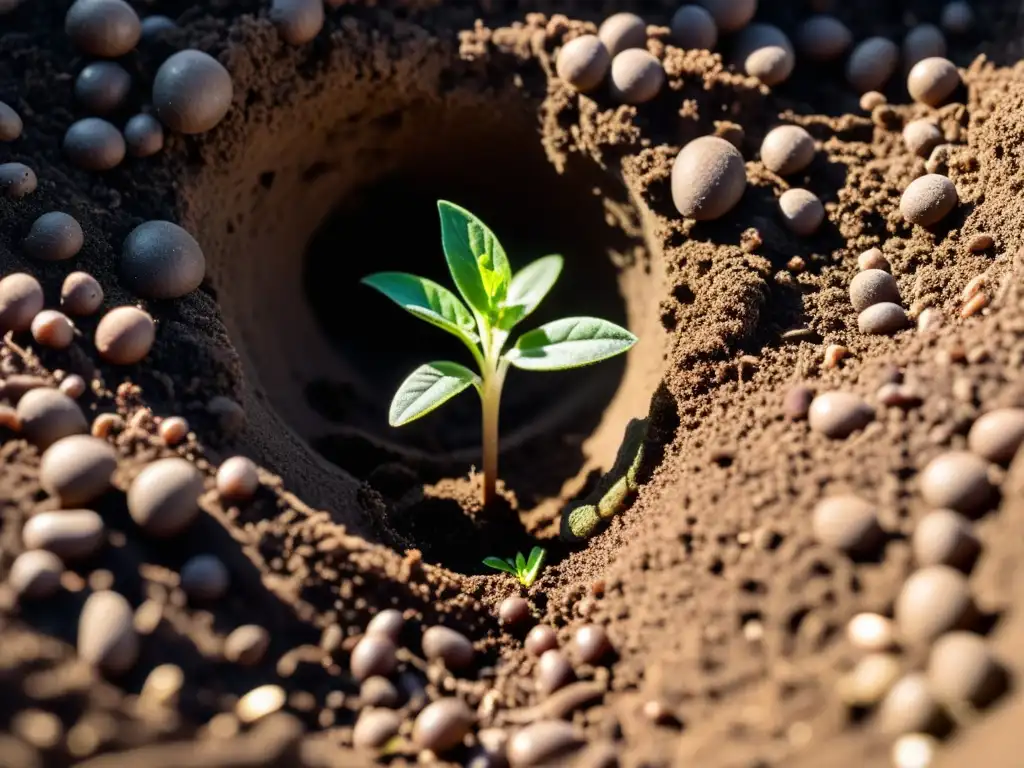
{"points": [[491, 405]]}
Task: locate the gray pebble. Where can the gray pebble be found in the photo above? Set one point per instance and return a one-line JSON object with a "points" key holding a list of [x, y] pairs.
{"points": [[104, 28], [839, 414], [962, 669], [544, 742], [636, 76], [143, 136], [21, 299], [847, 523], [998, 434], [539, 639], [192, 92], [205, 577], [442, 725], [933, 80], [873, 286], [106, 633], [73, 534], [957, 17], [11, 125], [35, 575], [823, 38], [872, 63], [765, 52], [164, 498], [155, 25], [247, 645], [297, 21], [883, 319], [513, 610], [731, 15], [910, 707], [449, 646], [17, 180], [708, 178], [160, 260], [81, 294], [921, 137], [124, 335], [553, 671], [945, 537], [47, 415], [388, 623], [934, 600], [694, 28], [77, 469], [378, 691], [54, 236], [802, 211], [373, 655], [375, 728], [622, 31], [230, 415], [583, 63], [958, 480], [928, 200], [591, 644], [102, 87], [787, 149], [923, 42], [93, 144]]}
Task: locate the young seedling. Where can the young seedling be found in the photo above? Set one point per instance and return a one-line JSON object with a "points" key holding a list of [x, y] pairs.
{"points": [[526, 569], [496, 301]]}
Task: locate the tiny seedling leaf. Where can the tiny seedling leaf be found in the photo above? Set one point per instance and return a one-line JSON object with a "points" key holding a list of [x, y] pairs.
{"points": [[499, 565], [520, 562], [428, 387], [536, 554], [571, 342], [426, 300], [475, 258], [528, 288], [533, 565]]}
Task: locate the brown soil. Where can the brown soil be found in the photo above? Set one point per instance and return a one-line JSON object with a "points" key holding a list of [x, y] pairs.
{"points": [[718, 601]]}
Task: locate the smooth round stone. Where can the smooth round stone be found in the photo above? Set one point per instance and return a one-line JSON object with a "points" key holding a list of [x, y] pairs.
{"points": [[708, 178], [143, 136], [106, 633], [375, 727], [871, 632], [539, 639], [47, 415], [35, 575], [961, 669], [787, 149], [17, 180], [297, 21], [583, 63], [944, 537], [921, 137], [93, 144], [765, 52], [998, 434], [731, 15], [51, 328], [247, 645], [160, 260], [173, 430], [77, 469], [922, 42], [957, 17], [873, 258], [449, 646], [622, 31], [205, 577], [155, 25], [802, 211], [125, 335], [164, 498], [928, 200], [909, 707], [873, 286], [102, 87], [373, 655], [388, 623], [104, 28], [870, 680], [933, 80], [871, 64], [591, 644], [21, 299], [73, 386], [192, 92], [823, 38], [847, 523], [54, 236], [378, 691], [883, 319], [553, 671], [237, 479], [871, 100], [636, 76], [839, 414], [958, 480], [542, 743], [73, 534], [513, 610], [442, 725], [81, 294], [934, 600], [797, 402], [693, 27], [11, 124]]}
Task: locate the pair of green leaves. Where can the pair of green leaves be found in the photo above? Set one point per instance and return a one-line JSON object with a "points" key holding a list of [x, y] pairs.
{"points": [[526, 569]]}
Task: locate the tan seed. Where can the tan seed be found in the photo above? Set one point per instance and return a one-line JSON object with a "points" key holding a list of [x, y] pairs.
{"points": [[247, 645], [47, 415], [52, 329], [81, 294], [622, 31], [787, 149], [72, 534], [164, 498], [974, 306], [928, 200], [981, 242], [77, 469], [584, 62], [933, 80], [708, 178], [636, 76], [35, 575], [873, 286], [106, 633], [125, 335], [997, 435], [934, 600], [847, 523], [260, 702], [921, 137], [958, 480], [442, 725], [802, 211], [375, 727], [839, 414], [883, 319]]}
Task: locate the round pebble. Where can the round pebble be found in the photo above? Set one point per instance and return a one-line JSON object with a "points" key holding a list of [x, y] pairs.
{"points": [[229, 414], [52, 329], [155, 25], [693, 27], [883, 319], [164, 498], [205, 577], [297, 21], [54, 236], [192, 92], [102, 87], [921, 137], [17, 180], [871, 100], [957, 17], [173, 430], [104, 28], [442, 725], [260, 702], [543, 742], [787, 149], [539, 639], [958, 480], [909, 707], [622, 31], [125, 335], [922, 42], [708, 178], [731, 15], [802, 211], [77, 469], [388, 623], [106, 633], [160, 260], [914, 750], [513, 610], [449, 646], [871, 632], [870, 680], [93, 144], [934, 599], [378, 691], [873, 286], [998, 434], [553, 671], [35, 575], [961, 669], [11, 125], [873, 259], [823, 38], [797, 402], [928, 200], [590, 643], [637, 76], [373, 655], [944, 537], [237, 479], [871, 64], [847, 523], [21, 299], [583, 63], [375, 727], [47, 415], [143, 136], [247, 645], [933, 80], [765, 53], [73, 386], [81, 294], [839, 414]]}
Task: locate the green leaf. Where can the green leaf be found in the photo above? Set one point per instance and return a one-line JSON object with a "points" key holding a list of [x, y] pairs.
{"points": [[475, 258], [520, 562], [499, 565], [571, 342], [533, 566], [528, 288], [426, 300], [428, 387], [537, 553]]}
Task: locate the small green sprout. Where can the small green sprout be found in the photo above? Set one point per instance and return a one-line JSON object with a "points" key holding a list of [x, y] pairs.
{"points": [[526, 569], [497, 301]]}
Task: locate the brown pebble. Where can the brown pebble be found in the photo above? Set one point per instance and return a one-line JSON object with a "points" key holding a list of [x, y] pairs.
{"points": [[17, 180], [934, 599], [125, 335], [590, 643], [544, 742], [958, 480], [11, 124], [898, 396], [883, 319], [297, 21], [981, 242], [797, 403], [694, 28], [238, 479], [449, 646], [933, 80], [388, 623], [847, 523], [93, 144], [910, 707], [961, 669], [765, 52], [77, 469], [378, 691], [442, 725], [636, 76], [708, 178], [375, 728], [192, 92], [922, 42], [143, 135], [583, 63], [998, 434], [73, 386], [823, 38], [35, 575], [513, 610], [247, 645], [944, 537], [173, 430], [106, 633], [622, 31], [873, 286], [839, 414], [103, 28], [230, 415], [873, 259], [802, 211], [787, 149], [928, 200], [373, 655], [553, 671], [163, 499], [872, 100], [21, 299], [47, 415], [102, 87], [921, 137], [205, 577], [53, 329], [731, 15], [81, 294], [872, 62], [541, 638], [54, 236], [73, 534]]}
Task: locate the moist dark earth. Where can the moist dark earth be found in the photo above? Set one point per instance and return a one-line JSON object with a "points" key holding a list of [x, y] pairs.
{"points": [[727, 616]]}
